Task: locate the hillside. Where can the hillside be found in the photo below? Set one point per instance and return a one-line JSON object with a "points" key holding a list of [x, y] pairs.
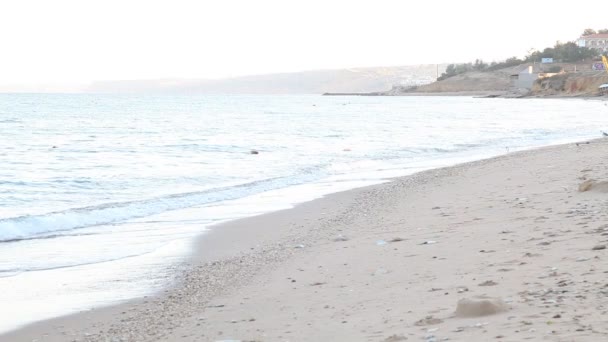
{"points": [[471, 81], [357, 80]]}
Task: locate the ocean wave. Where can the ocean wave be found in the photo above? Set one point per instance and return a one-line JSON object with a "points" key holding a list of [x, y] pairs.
{"points": [[10, 121], [65, 222]]}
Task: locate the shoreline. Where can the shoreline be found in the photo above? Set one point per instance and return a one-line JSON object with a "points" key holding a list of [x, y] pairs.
{"points": [[502, 94], [474, 93], [223, 265]]}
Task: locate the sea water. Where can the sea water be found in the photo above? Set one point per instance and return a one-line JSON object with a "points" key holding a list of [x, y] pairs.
{"points": [[100, 195]]}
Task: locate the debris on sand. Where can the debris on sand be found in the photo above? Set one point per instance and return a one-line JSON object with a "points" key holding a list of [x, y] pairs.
{"points": [[488, 283], [428, 320], [463, 289], [340, 238]]}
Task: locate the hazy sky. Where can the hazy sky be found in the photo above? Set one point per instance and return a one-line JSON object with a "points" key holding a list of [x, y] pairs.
{"points": [[63, 41]]}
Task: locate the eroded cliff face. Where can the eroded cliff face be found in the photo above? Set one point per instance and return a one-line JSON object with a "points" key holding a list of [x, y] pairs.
{"points": [[569, 85]]}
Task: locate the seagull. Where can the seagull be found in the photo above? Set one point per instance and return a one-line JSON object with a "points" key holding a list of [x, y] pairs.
{"points": [[605, 134]]}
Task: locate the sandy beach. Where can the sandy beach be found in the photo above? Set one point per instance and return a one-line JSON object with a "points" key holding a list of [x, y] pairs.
{"points": [[511, 248]]}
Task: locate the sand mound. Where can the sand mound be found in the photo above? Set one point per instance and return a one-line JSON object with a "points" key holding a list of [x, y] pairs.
{"points": [[479, 307], [593, 185]]}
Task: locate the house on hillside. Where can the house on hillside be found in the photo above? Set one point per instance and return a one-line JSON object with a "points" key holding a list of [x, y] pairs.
{"points": [[598, 41], [525, 78]]}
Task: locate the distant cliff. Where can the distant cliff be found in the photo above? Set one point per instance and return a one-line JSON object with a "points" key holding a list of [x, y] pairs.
{"points": [[357, 80]]}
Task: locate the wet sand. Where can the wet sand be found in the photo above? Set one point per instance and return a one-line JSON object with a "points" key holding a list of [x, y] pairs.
{"points": [[505, 249]]}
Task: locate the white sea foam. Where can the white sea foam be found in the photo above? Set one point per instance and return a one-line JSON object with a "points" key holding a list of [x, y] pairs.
{"points": [[65, 222]]}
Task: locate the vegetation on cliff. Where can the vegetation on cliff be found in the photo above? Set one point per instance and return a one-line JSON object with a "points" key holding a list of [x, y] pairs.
{"points": [[563, 52]]}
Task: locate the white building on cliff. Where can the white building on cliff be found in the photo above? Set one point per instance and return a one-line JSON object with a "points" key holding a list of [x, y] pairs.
{"points": [[598, 41]]}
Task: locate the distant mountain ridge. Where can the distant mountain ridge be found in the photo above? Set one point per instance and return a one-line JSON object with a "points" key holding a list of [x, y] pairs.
{"points": [[354, 80]]}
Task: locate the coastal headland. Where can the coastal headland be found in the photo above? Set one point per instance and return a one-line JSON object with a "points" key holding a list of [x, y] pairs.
{"points": [[510, 248], [501, 83]]}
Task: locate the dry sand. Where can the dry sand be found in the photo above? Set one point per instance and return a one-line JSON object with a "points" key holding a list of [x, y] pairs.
{"points": [[505, 249]]}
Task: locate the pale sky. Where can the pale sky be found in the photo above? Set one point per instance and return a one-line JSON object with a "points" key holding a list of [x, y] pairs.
{"points": [[78, 41]]}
